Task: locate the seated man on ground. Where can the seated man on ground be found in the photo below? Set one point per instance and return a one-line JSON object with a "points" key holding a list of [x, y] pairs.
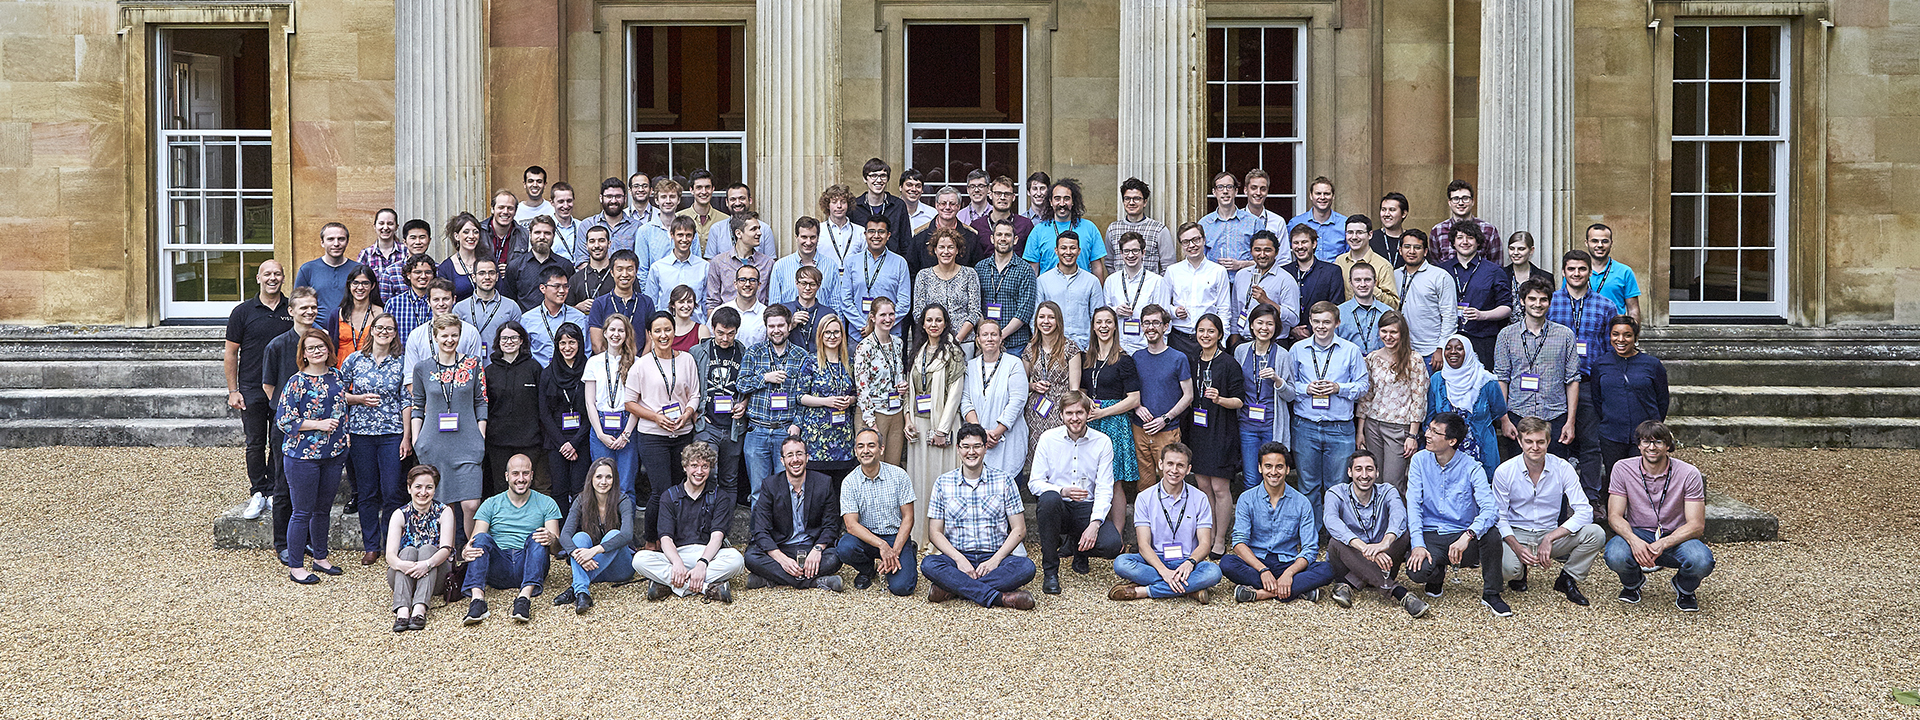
{"points": [[1368, 524], [876, 507], [1275, 538], [977, 523], [795, 526], [1072, 482], [1527, 492], [694, 517], [512, 535], [602, 511], [1174, 522], [1450, 507], [1657, 506]]}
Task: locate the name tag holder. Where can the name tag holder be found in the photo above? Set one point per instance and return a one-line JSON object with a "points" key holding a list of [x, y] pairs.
{"points": [[570, 421], [449, 422], [612, 421], [672, 411], [1130, 326], [1322, 402], [866, 305], [893, 402], [1530, 382], [1043, 407], [923, 404], [778, 401], [1173, 553], [1580, 349], [837, 417], [993, 311], [1256, 413], [723, 404], [1200, 417]]}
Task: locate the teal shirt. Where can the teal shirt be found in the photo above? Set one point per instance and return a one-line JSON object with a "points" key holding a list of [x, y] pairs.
{"points": [[510, 526]]}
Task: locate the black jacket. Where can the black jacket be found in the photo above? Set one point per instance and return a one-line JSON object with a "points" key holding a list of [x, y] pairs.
{"points": [[899, 220], [561, 391], [773, 514], [513, 401]]}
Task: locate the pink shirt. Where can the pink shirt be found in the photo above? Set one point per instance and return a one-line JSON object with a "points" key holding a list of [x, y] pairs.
{"points": [[1657, 502], [656, 384]]}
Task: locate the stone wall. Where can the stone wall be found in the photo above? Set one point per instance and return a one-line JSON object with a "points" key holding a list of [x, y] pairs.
{"points": [[1873, 159], [341, 90]]}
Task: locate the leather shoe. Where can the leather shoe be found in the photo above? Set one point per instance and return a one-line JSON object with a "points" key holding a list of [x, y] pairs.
{"points": [[1080, 565], [565, 597], [937, 594], [862, 582], [657, 591], [1122, 590], [1051, 585], [1201, 596], [310, 579], [330, 569], [369, 557], [1571, 589], [1018, 600]]}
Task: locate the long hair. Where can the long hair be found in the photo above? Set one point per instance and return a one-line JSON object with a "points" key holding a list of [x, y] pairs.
{"points": [[347, 306], [1108, 351], [943, 344], [395, 347], [460, 222], [526, 344], [1402, 364], [1049, 347], [624, 350], [600, 513]]}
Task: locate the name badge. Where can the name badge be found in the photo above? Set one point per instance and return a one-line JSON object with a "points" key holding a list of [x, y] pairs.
{"points": [[484, 350], [672, 411], [779, 401], [837, 417], [866, 305], [449, 422], [1465, 307], [1256, 413], [923, 404], [1200, 417], [1322, 402], [611, 421], [722, 404], [1530, 382], [1580, 349], [1172, 552], [893, 402], [1044, 407], [1130, 326], [993, 311], [570, 421]]}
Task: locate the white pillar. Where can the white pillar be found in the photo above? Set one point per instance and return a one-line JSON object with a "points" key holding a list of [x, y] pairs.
{"points": [[796, 127], [1526, 122], [1162, 108], [439, 107]]}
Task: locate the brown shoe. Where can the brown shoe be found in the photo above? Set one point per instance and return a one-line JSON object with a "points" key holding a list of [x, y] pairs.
{"points": [[369, 557], [937, 594], [1200, 596], [1018, 600], [1122, 590]]}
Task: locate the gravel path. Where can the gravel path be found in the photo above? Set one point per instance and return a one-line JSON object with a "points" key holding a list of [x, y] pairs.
{"points": [[114, 606]]}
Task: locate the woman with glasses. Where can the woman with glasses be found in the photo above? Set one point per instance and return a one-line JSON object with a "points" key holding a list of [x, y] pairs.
{"points": [[377, 433], [513, 405], [350, 324], [827, 401]]}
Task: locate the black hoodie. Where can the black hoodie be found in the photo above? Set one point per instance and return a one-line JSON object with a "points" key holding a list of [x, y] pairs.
{"points": [[513, 401]]}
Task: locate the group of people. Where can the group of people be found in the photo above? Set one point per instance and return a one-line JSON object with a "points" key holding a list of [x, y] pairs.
{"points": [[606, 390]]}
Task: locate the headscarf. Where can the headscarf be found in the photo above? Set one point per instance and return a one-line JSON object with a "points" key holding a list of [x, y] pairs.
{"points": [[568, 378], [1464, 382]]}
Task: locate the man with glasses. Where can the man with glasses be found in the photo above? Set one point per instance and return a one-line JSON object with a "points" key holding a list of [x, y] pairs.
{"points": [[1228, 229], [719, 237], [977, 526], [1198, 286], [1159, 249], [415, 236], [553, 311], [1002, 195], [1133, 289], [521, 281], [878, 203], [746, 253], [1460, 207], [978, 204], [746, 303], [1166, 391], [486, 309], [1657, 506]]}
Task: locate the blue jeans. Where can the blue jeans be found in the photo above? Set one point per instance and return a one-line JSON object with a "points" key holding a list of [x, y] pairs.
{"points": [[507, 568], [1315, 574], [857, 553], [626, 461], [311, 485], [1691, 558], [1013, 572], [1135, 569], [1320, 450], [615, 565], [762, 448], [1251, 438], [378, 485]]}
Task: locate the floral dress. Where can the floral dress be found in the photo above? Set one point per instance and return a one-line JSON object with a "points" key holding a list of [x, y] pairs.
{"points": [[313, 397], [828, 431], [1053, 371]]}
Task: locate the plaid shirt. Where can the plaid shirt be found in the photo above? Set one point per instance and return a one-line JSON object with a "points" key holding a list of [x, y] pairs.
{"points": [[409, 311], [1587, 318], [1491, 243], [1015, 290], [1159, 246], [393, 280], [976, 512], [761, 360], [1548, 355], [877, 500], [379, 262]]}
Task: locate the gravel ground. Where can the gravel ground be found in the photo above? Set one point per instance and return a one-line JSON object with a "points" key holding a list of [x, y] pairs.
{"points": [[121, 610]]}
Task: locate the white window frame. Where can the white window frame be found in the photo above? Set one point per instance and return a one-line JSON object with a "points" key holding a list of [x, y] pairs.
{"points": [[930, 189], [636, 138], [1297, 201], [1776, 306]]}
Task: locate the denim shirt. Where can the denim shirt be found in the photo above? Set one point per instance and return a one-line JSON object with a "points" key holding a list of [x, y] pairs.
{"points": [[1284, 529], [1449, 498]]}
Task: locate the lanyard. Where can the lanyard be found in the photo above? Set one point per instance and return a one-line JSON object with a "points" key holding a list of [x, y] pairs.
{"points": [[1533, 358], [1173, 519], [446, 380], [1098, 365], [547, 321], [987, 374], [1406, 282], [612, 394], [1137, 289], [1462, 276], [1261, 361], [1319, 370], [1368, 520], [600, 278], [1206, 371], [866, 263], [629, 308], [671, 383], [358, 334], [496, 310], [1603, 274], [833, 239], [925, 380]]}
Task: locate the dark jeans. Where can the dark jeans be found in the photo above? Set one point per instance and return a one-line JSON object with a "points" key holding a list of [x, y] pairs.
{"points": [[507, 568], [569, 476], [1315, 574], [660, 461], [1062, 521], [726, 468], [1593, 468], [376, 466], [312, 484], [761, 562], [1483, 348], [1355, 569], [1691, 558], [1488, 549], [853, 551], [255, 420], [1010, 575]]}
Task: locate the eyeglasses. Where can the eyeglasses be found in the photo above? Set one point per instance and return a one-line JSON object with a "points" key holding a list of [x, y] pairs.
{"points": [[1002, 193], [361, 283], [750, 280], [1226, 187], [555, 285]]}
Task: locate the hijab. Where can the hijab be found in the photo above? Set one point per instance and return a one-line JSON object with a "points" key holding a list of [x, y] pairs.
{"points": [[568, 378], [1464, 382]]}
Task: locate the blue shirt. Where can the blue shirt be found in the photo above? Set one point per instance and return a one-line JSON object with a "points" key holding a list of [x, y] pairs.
{"points": [[782, 290], [869, 278], [1231, 238], [1616, 282], [1361, 325], [636, 308], [1483, 285], [1077, 297], [1587, 318], [1045, 233], [1284, 529], [621, 232], [1627, 392], [1015, 291], [1449, 498], [1340, 362], [760, 360], [409, 310], [1160, 377], [651, 242], [329, 283], [1333, 233], [541, 326]]}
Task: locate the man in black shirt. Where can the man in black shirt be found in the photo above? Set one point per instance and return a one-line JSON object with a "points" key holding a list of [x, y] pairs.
{"points": [[694, 518], [252, 324], [724, 421], [878, 202], [278, 363]]}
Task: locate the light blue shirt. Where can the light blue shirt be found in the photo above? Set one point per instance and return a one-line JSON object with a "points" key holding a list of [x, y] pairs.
{"points": [[1077, 297], [1046, 233], [1361, 327], [668, 273], [1333, 234], [620, 234], [783, 289], [651, 243], [1341, 362], [1285, 529], [541, 327], [1449, 498], [1614, 282], [870, 278], [1231, 238], [720, 238]]}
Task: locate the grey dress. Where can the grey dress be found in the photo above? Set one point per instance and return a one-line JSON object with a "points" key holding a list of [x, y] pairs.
{"points": [[461, 389]]}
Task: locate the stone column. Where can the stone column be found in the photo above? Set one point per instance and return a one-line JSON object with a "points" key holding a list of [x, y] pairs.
{"points": [[795, 139], [1162, 103], [1526, 121], [440, 111]]}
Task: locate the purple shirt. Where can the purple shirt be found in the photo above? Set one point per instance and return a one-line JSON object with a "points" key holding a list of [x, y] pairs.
{"points": [[1657, 502], [1173, 519]]}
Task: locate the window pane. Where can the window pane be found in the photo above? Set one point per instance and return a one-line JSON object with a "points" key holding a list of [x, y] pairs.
{"points": [[965, 133], [222, 169], [1723, 166], [1686, 221], [1721, 276], [1756, 222], [1689, 53], [1685, 280], [1002, 159], [651, 156], [1282, 194], [1725, 52], [1723, 221], [688, 78], [223, 217], [929, 154], [1243, 114], [724, 161], [1686, 167], [1756, 167], [686, 157], [1279, 111], [1756, 275], [1241, 157], [256, 226], [1216, 54], [184, 164], [1216, 111], [189, 277], [224, 273], [1763, 53], [964, 73], [1763, 108], [1280, 54], [256, 166], [962, 158], [186, 221], [1244, 60], [1689, 109], [1723, 108]]}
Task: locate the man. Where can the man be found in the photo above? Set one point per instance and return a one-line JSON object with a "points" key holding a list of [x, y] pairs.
{"points": [[1072, 481], [386, 250], [513, 534], [978, 204], [1329, 376], [420, 347], [723, 418], [522, 281], [1068, 209], [806, 241], [1386, 238], [1359, 234], [1319, 281], [251, 325], [1613, 281], [566, 236], [694, 518], [843, 239], [1228, 229], [1485, 291], [878, 203], [680, 267], [278, 362], [1460, 205], [549, 315], [912, 186], [621, 225], [1160, 251], [796, 527], [1002, 196], [411, 308], [1198, 287], [1329, 227], [1657, 506], [702, 211], [751, 312], [1075, 291], [1174, 525], [654, 239], [876, 507], [1428, 299], [593, 278], [536, 205], [1259, 183], [1368, 525], [1527, 492], [946, 214], [500, 233], [773, 402], [1166, 389], [1039, 207], [1263, 284], [807, 309], [1134, 288], [876, 273], [416, 236], [1588, 315], [976, 522], [327, 274], [640, 193], [1275, 539], [746, 252], [625, 299], [1539, 371], [1008, 287], [1360, 316], [1450, 511], [486, 309]]}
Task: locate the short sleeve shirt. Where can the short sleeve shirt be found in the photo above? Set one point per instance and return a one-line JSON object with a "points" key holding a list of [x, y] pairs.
{"points": [[1657, 502], [877, 500], [510, 526], [1160, 377]]}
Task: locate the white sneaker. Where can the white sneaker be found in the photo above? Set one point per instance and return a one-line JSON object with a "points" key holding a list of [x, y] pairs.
{"points": [[256, 506]]}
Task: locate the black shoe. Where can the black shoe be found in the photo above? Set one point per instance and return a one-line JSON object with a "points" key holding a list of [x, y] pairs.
{"points": [[352, 508], [582, 602], [830, 582], [310, 579], [1495, 604], [565, 596], [1686, 601], [1051, 585], [401, 624], [1519, 585], [1565, 585], [522, 609], [1436, 589], [755, 582], [862, 581], [334, 570], [418, 622], [657, 591], [1630, 596], [476, 611], [1080, 565]]}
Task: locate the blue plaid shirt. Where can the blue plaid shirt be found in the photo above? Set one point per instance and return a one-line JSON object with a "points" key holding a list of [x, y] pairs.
{"points": [[976, 512], [761, 360], [1587, 318], [1016, 291], [1231, 239], [409, 311]]}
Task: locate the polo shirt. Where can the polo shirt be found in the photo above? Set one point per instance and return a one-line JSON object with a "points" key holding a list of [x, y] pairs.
{"points": [[637, 309], [1616, 282], [1657, 502], [1482, 285], [692, 521], [1172, 519], [252, 325]]}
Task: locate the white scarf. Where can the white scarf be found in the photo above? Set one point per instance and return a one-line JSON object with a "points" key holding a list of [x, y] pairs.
{"points": [[1464, 382]]}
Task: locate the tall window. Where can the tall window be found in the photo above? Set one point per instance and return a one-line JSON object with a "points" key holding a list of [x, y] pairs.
{"points": [[689, 101], [1729, 201], [966, 102], [1254, 117]]}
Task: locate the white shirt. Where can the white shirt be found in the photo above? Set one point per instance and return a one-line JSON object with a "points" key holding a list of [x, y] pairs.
{"points": [[1139, 291], [1201, 290], [1087, 463], [921, 215], [1428, 301], [1528, 506], [753, 323], [523, 214], [670, 272]]}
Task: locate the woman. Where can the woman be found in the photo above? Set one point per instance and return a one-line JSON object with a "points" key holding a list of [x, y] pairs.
{"points": [[610, 424], [934, 377], [1213, 426], [994, 397], [687, 332], [419, 543], [1520, 264], [603, 512], [1053, 370], [1395, 404], [882, 382], [378, 438], [662, 394], [1108, 376], [513, 407], [563, 415], [458, 267], [1629, 387], [827, 401], [312, 410], [950, 285], [1464, 387], [1267, 415], [449, 425], [351, 323]]}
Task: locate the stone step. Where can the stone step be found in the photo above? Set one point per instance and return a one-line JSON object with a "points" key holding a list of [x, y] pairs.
{"points": [[21, 374], [1774, 431], [1796, 401], [143, 432], [1811, 372], [104, 343], [1729, 520], [115, 403], [1782, 342]]}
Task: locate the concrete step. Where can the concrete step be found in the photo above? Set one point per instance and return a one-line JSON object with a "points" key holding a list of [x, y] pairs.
{"points": [[21, 374], [144, 432], [1809, 372], [1774, 431], [1782, 342], [1796, 401], [115, 403], [1729, 520], [101, 343]]}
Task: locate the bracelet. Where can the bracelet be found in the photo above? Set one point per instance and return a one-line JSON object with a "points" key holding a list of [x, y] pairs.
{"points": [[701, 560]]}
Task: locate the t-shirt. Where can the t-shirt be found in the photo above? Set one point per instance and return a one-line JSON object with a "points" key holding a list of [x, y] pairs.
{"points": [[1614, 282], [1160, 377], [523, 215], [252, 325], [329, 283], [1658, 502], [511, 526]]}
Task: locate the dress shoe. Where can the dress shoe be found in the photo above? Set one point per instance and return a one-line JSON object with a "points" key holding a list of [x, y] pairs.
{"points": [[565, 597], [937, 594], [1566, 586], [1051, 585], [657, 591], [582, 602], [862, 581], [1201, 596], [369, 557], [401, 624], [1122, 590], [1018, 600], [1080, 565], [417, 622]]}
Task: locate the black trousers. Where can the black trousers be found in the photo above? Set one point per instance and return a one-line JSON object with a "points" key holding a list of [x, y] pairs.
{"points": [[1183, 341], [255, 420], [761, 562], [660, 463], [282, 497], [1593, 466], [1487, 548], [1510, 449], [569, 477], [1061, 522]]}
